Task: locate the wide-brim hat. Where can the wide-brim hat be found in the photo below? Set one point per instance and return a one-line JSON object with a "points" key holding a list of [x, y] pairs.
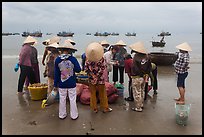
{"points": [[94, 52], [30, 39], [120, 43], [184, 46], [46, 42], [104, 42], [53, 45], [54, 39], [67, 45], [71, 41], [138, 47]]}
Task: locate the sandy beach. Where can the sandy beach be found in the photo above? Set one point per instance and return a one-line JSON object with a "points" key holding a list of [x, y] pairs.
{"points": [[22, 116]]}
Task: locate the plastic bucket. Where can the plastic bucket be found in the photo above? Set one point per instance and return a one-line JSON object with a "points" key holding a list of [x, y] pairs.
{"points": [[182, 113], [120, 89], [38, 93]]}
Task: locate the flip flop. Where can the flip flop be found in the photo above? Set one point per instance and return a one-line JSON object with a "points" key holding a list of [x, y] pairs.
{"points": [[177, 99], [180, 102], [136, 109], [107, 110]]}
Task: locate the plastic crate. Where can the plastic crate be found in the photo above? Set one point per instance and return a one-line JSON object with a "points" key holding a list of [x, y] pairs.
{"points": [[38, 93], [182, 113]]}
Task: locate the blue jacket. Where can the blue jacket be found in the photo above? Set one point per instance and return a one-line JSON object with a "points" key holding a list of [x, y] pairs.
{"points": [[64, 72]]}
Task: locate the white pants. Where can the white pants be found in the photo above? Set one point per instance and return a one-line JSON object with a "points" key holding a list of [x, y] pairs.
{"points": [[72, 101]]}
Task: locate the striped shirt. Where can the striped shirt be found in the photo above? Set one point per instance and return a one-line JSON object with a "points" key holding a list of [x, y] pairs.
{"points": [[181, 64]]}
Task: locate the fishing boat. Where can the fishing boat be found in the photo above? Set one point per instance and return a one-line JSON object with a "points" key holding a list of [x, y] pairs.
{"points": [[65, 34], [114, 34], [163, 58], [16, 34], [34, 34], [25, 34], [160, 43], [164, 34], [101, 34], [130, 34], [6, 33]]}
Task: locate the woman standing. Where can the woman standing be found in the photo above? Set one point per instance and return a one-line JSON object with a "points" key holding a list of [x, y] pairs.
{"points": [[181, 68], [108, 56], [50, 64], [120, 63], [95, 68], [54, 39], [35, 66], [141, 68], [26, 69], [65, 79]]}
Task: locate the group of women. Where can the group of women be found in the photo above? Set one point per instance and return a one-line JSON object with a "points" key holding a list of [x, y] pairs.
{"points": [[61, 66]]}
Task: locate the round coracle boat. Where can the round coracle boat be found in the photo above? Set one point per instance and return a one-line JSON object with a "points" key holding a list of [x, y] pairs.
{"points": [[162, 58]]}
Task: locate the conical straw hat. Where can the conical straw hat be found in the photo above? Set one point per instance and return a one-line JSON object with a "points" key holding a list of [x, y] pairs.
{"points": [[120, 43], [184, 46], [71, 41], [138, 47], [104, 42], [54, 39], [46, 42], [54, 45], [94, 52], [30, 39], [67, 45]]}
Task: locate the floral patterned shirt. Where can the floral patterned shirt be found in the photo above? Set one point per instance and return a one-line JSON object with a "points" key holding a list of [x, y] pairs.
{"points": [[95, 71]]}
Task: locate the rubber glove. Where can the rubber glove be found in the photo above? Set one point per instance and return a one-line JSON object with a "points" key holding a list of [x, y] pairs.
{"points": [[16, 67]]}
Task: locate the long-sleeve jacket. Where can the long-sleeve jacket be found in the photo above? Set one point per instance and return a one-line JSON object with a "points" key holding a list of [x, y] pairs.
{"points": [[25, 55], [119, 56], [64, 72], [141, 65]]}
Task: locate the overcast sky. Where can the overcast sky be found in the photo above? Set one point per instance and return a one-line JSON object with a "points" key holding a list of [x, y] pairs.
{"points": [[82, 17]]}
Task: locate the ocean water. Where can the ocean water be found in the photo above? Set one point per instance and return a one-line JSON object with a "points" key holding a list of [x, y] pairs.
{"points": [[11, 44]]}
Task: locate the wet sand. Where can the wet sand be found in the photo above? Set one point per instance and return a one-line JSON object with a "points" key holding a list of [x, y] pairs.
{"points": [[22, 116]]}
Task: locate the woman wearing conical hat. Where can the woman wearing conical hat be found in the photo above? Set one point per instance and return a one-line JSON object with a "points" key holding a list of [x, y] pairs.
{"points": [[120, 62], [181, 68], [25, 63], [140, 71], [54, 53], [35, 66], [54, 39], [95, 68], [65, 79]]}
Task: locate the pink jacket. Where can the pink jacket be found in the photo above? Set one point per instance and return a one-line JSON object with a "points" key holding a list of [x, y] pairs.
{"points": [[25, 55]]}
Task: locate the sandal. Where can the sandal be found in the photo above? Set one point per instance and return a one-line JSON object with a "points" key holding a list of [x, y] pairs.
{"points": [[107, 110], [180, 102], [129, 99], [95, 110], [137, 109], [177, 99]]}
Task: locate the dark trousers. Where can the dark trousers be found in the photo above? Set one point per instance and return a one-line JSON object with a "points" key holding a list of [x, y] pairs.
{"points": [[154, 82], [25, 71], [115, 73], [37, 74], [130, 88]]}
